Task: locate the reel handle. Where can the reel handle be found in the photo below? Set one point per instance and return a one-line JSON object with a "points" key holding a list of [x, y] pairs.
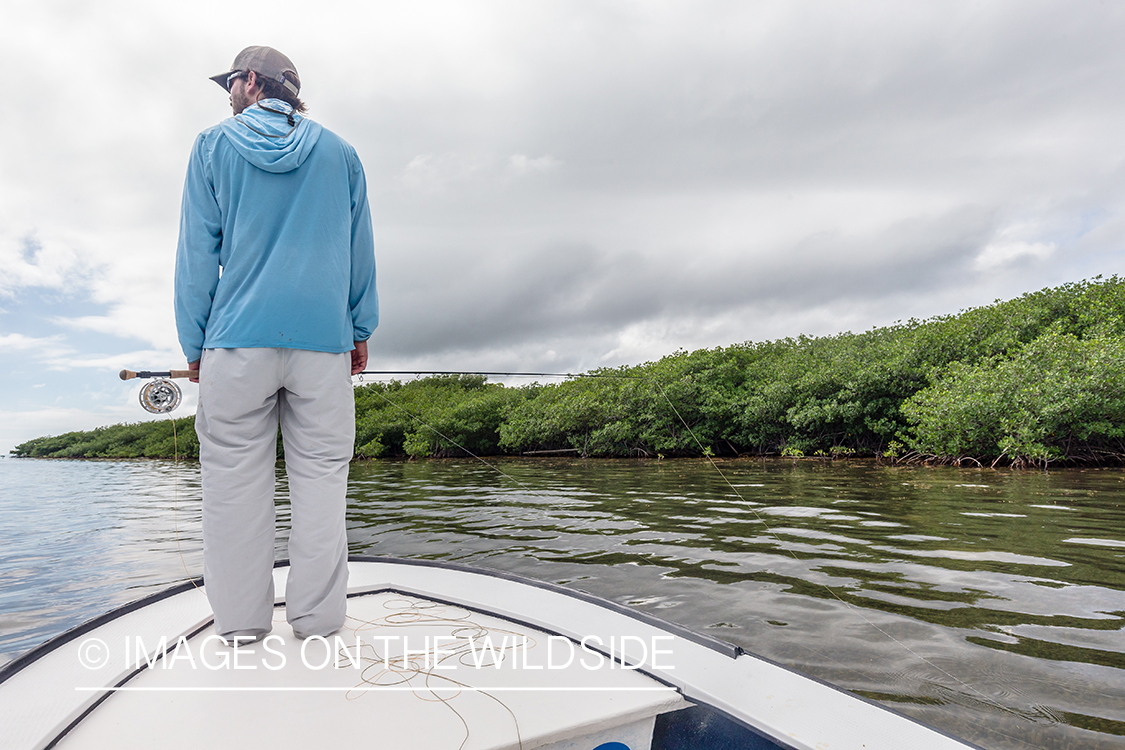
{"points": [[129, 374]]}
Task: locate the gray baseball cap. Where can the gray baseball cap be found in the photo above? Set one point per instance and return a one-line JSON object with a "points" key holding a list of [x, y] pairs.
{"points": [[265, 61]]}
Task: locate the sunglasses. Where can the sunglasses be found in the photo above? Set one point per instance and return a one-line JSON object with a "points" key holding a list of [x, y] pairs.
{"points": [[234, 77]]}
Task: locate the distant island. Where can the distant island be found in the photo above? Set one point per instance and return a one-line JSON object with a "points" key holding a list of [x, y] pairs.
{"points": [[1032, 381]]}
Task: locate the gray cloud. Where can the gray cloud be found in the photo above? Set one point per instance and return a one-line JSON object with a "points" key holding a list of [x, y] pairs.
{"points": [[482, 296]]}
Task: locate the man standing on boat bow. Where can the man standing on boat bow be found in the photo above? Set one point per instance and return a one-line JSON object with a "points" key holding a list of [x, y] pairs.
{"points": [[275, 300]]}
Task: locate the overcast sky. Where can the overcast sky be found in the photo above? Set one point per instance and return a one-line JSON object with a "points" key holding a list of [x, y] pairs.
{"points": [[565, 185]]}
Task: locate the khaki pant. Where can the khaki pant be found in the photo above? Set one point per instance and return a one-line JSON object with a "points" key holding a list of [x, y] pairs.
{"points": [[244, 394]]}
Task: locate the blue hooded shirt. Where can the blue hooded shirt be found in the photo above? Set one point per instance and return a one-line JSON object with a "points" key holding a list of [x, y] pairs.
{"points": [[275, 248]]}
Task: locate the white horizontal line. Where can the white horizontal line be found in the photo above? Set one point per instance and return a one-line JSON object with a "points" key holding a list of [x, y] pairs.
{"points": [[368, 688]]}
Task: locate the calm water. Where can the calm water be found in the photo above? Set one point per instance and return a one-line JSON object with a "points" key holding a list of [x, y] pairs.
{"points": [[988, 603]]}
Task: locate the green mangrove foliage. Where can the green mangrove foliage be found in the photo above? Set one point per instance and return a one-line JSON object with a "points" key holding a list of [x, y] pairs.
{"points": [[1025, 381], [1059, 397], [165, 438], [436, 416]]}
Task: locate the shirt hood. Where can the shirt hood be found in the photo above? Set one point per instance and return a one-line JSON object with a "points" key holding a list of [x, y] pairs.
{"points": [[263, 136]]}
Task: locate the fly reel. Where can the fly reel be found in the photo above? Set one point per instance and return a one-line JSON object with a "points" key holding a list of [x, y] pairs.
{"points": [[160, 396]]}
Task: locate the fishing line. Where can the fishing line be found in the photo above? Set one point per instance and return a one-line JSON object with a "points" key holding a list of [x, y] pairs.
{"points": [[400, 670], [161, 395], [176, 501], [706, 454], [502, 473], [497, 374]]}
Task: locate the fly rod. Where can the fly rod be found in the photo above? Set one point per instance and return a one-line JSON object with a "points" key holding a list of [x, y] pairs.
{"points": [[501, 374], [161, 395]]}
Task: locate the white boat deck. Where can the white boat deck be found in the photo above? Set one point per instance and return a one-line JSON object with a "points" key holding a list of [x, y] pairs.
{"points": [[484, 667]]}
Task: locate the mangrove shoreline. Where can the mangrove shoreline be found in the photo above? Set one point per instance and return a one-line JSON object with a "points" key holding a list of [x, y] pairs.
{"points": [[1033, 381]]}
